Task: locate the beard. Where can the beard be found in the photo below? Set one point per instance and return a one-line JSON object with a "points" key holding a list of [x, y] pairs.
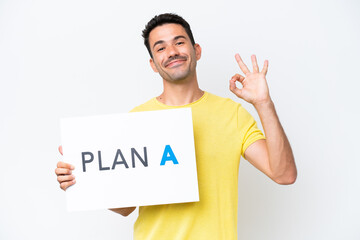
{"points": [[178, 73]]}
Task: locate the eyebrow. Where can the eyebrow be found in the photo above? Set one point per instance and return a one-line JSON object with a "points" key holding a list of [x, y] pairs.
{"points": [[162, 41]]}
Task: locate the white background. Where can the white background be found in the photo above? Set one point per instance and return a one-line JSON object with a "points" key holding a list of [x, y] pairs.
{"points": [[78, 58]]}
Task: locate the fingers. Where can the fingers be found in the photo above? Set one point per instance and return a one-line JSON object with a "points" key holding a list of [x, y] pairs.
{"points": [[244, 68], [62, 171], [254, 63], [232, 84], [65, 185], [238, 77], [65, 165], [241, 64], [233, 88], [65, 178], [265, 68]]}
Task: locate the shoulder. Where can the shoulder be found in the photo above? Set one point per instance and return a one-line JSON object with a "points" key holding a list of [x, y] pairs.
{"points": [[228, 106], [222, 102], [147, 106]]}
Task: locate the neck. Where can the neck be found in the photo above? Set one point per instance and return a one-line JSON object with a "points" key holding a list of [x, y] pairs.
{"points": [[180, 93]]}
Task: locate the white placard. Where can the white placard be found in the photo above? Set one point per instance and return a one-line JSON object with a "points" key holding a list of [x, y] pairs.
{"points": [[130, 159]]}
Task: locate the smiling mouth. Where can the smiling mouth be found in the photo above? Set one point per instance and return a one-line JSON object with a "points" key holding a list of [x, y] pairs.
{"points": [[175, 63]]}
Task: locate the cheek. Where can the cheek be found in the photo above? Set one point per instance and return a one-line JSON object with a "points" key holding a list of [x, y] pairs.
{"points": [[154, 66], [158, 65], [157, 60], [192, 53]]}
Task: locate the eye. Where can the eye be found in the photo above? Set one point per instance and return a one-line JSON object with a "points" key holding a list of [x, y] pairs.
{"points": [[179, 43], [160, 49]]}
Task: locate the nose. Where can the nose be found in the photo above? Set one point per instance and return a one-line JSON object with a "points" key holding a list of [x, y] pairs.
{"points": [[172, 51]]}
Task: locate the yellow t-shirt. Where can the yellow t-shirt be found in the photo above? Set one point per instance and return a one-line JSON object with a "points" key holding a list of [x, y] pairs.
{"points": [[223, 130]]}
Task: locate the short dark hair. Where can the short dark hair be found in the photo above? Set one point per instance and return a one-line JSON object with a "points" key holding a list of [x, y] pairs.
{"points": [[162, 19]]}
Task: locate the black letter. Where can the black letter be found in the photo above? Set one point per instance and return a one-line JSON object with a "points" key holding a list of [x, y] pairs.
{"points": [[86, 161], [100, 165], [133, 152], [116, 157]]}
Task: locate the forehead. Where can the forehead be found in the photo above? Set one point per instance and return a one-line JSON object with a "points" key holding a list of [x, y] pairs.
{"points": [[166, 32]]}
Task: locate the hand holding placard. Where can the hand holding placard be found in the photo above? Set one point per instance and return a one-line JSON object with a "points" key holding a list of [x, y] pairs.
{"points": [[64, 173], [64, 177], [133, 159]]}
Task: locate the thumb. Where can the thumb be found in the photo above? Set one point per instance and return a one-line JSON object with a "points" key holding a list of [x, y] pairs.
{"points": [[237, 91], [60, 150]]}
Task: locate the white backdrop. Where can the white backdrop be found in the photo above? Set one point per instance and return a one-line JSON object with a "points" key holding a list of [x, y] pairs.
{"points": [[78, 58]]}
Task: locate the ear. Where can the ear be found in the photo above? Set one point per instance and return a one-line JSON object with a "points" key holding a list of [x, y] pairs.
{"points": [[153, 66], [197, 51]]}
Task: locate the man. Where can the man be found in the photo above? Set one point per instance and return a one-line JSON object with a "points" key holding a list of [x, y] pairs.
{"points": [[223, 131]]}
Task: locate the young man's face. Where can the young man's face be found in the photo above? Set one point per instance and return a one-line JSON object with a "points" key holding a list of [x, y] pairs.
{"points": [[174, 56]]}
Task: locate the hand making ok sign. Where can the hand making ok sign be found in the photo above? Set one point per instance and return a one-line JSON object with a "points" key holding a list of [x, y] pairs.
{"points": [[254, 87]]}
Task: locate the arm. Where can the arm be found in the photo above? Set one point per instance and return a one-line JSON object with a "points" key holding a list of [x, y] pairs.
{"points": [[64, 175], [272, 156]]}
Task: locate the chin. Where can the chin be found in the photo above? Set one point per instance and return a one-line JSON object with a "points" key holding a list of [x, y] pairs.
{"points": [[178, 78]]}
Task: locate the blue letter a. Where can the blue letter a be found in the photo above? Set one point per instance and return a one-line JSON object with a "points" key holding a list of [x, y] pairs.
{"points": [[168, 156]]}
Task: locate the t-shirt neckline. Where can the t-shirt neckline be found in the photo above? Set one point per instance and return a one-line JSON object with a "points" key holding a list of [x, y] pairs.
{"points": [[201, 99]]}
